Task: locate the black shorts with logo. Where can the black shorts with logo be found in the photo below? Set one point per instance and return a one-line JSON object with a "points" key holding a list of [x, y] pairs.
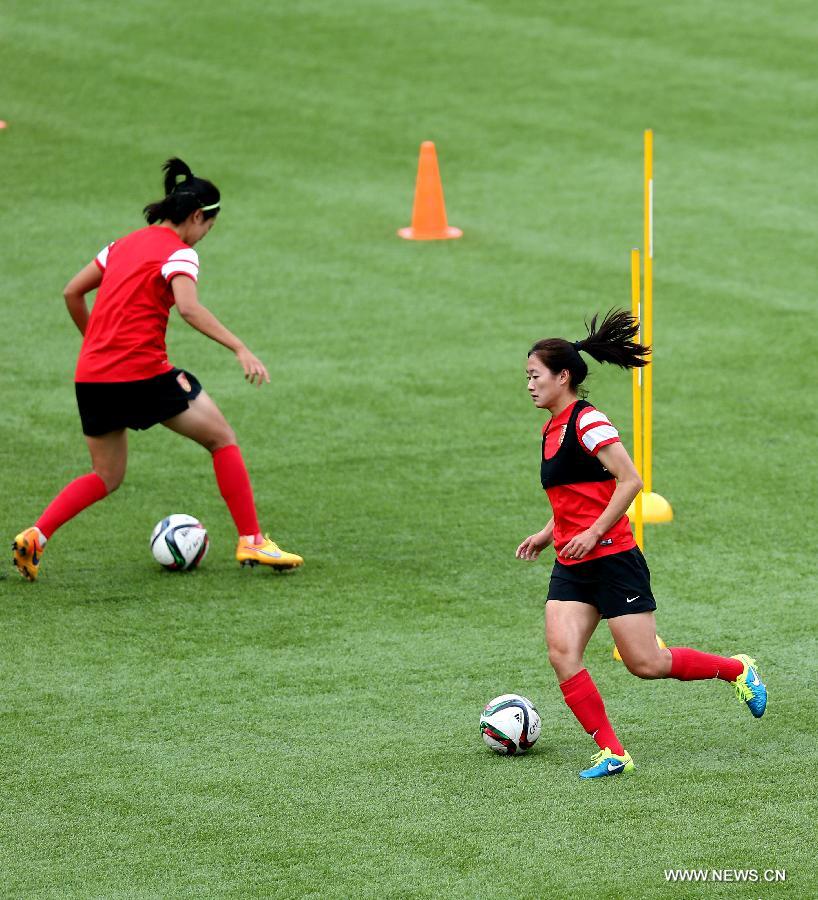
{"points": [[616, 585], [112, 405]]}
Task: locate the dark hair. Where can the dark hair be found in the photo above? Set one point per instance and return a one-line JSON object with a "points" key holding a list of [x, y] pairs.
{"points": [[184, 194], [611, 342]]}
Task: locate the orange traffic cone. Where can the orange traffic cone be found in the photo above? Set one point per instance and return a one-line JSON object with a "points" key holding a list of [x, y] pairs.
{"points": [[429, 212]]}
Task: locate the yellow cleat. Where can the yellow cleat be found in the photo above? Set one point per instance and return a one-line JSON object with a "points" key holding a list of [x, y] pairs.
{"points": [[267, 553], [27, 553]]}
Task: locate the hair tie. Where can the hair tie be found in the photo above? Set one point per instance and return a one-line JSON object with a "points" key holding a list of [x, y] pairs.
{"points": [[577, 346]]}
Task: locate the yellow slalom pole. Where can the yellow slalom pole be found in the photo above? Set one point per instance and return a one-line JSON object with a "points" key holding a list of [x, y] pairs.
{"points": [[655, 507], [639, 526], [635, 511], [647, 312]]}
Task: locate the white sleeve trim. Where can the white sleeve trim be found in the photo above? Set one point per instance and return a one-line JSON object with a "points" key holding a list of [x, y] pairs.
{"points": [[102, 256], [598, 435], [591, 417], [188, 255], [180, 267]]}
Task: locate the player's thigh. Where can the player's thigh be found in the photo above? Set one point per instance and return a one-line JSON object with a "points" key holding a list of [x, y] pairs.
{"points": [[109, 456], [635, 638], [204, 423], [569, 625]]}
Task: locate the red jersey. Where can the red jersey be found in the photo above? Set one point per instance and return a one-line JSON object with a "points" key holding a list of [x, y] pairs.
{"points": [[125, 338], [579, 487]]}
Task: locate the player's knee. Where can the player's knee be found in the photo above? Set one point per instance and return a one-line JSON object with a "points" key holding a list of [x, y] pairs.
{"points": [[644, 667], [112, 478], [220, 437], [562, 658]]}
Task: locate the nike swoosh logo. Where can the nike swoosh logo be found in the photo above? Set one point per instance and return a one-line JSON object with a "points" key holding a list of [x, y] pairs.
{"points": [[631, 599], [756, 679], [264, 552], [616, 768]]}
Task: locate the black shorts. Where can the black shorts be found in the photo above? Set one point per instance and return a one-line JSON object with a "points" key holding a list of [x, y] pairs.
{"points": [[112, 405], [616, 585]]}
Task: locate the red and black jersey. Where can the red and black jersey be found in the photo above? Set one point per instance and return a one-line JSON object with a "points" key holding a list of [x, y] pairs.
{"points": [[579, 487], [125, 338]]}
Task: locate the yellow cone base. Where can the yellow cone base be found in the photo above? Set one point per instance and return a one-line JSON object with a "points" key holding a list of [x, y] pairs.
{"points": [[659, 643], [654, 509]]}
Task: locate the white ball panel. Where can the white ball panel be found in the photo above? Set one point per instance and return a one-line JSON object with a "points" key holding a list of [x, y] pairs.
{"points": [[511, 722], [186, 534]]}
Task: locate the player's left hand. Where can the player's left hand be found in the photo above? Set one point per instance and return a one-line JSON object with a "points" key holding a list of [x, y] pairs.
{"points": [[580, 545], [254, 369]]}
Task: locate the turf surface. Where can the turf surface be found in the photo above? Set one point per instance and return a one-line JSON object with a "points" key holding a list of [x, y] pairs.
{"points": [[237, 734]]}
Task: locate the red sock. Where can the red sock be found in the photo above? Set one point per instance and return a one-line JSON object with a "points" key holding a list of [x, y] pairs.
{"points": [[586, 704], [693, 665], [234, 484], [72, 499]]}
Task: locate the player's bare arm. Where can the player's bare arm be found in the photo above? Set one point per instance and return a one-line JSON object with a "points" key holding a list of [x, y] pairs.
{"points": [[200, 318], [86, 280]]}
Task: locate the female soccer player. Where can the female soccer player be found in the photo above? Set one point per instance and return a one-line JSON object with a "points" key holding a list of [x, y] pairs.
{"points": [[123, 377], [599, 572]]}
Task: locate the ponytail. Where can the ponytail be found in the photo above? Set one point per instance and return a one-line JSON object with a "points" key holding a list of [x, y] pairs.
{"points": [[177, 171], [184, 194], [610, 342], [613, 341]]}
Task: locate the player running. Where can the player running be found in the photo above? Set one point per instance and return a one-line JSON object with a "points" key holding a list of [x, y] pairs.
{"points": [[599, 572], [123, 377]]}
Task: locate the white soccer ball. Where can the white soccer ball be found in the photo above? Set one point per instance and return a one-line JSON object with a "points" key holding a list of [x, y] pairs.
{"points": [[179, 542], [510, 724]]}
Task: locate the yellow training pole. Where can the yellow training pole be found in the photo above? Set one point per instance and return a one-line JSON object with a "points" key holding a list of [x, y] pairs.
{"points": [[635, 511], [637, 407], [647, 312], [655, 507]]}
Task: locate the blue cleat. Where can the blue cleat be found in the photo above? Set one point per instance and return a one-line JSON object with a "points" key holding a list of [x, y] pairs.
{"points": [[749, 687], [608, 763]]}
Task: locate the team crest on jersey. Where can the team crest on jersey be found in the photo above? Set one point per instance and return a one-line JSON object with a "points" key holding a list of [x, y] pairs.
{"points": [[184, 383]]}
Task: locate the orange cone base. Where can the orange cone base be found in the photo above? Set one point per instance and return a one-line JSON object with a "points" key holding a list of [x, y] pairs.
{"points": [[444, 235], [659, 643], [654, 509]]}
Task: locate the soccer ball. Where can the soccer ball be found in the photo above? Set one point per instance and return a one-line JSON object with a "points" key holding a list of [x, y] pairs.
{"points": [[510, 724], [179, 542]]}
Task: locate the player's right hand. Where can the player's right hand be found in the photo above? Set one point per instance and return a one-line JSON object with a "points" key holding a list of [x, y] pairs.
{"points": [[532, 546]]}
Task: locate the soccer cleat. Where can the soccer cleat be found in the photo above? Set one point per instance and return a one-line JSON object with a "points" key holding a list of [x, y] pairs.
{"points": [[267, 553], [750, 689], [608, 763], [27, 553]]}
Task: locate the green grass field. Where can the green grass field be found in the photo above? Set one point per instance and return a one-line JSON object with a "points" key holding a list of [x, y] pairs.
{"points": [[236, 734]]}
